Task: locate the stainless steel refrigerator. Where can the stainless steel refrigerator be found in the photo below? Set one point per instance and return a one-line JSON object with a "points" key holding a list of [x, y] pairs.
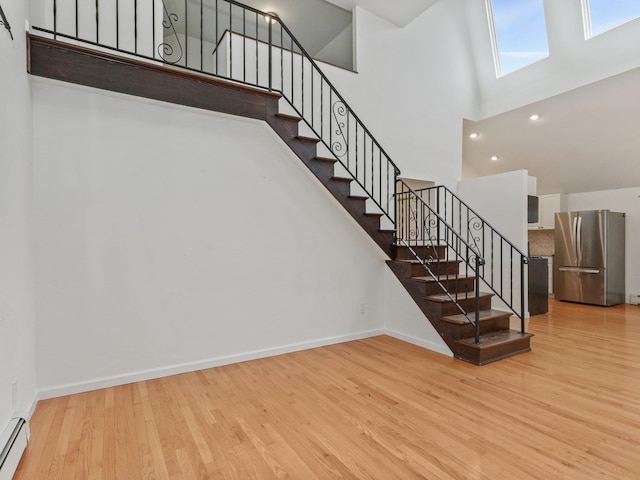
{"points": [[589, 257]]}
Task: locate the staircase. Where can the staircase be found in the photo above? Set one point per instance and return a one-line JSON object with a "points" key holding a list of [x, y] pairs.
{"points": [[496, 339], [439, 263]]}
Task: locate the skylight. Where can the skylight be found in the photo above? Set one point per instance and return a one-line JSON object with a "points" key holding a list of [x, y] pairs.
{"points": [[603, 15], [519, 33]]}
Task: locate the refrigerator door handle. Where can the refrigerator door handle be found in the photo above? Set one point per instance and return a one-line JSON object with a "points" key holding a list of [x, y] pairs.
{"points": [[579, 270], [579, 240], [574, 238]]}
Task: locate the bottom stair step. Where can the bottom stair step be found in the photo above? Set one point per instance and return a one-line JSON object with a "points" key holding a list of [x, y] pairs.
{"points": [[493, 346], [459, 326], [485, 315]]}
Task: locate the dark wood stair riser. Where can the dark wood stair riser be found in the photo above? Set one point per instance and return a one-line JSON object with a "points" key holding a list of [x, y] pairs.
{"points": [[441, 268], [286, 128], [469, 304], [402, 252], [454, 285]]}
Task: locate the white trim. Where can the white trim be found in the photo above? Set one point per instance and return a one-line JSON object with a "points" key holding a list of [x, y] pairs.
{"points": [[494, 38], [586, 19], [436, 347], [28, 412], [107, 382]]}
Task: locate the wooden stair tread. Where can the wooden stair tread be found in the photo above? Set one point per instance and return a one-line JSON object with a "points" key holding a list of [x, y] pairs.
{"points": [[443, 298], [302, 138], [356, 196], [286, 116], [373, 214], [443, 278], [326, 160], [413, 261], [494, 339], [342, 179], [485, 315], [420, 244]]}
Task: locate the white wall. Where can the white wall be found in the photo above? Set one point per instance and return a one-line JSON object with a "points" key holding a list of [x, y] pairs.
{"points": [[502, 201], [339, 51], [625, 200], [572, 61], [414, 85], [170, 239], [405, 321], [16, 259]]}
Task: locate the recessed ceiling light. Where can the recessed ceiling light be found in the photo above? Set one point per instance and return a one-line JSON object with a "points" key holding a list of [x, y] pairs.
{"points": [[474, 135], [494, 158], [534, 117]]}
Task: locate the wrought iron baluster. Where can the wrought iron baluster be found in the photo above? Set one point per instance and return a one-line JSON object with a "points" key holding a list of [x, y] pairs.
{"points": [[523, 262], [357, 159], [511, 275], [117, 23], [153, 28], [372, 170], [186, 34], [135, 26], [501, 266], [477, 292], [281, 59], [270, 55], [322, 108], [380, 175]]}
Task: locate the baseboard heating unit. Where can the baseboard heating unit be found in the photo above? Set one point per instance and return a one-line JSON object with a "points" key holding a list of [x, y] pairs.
{"points": [[13, 443]]}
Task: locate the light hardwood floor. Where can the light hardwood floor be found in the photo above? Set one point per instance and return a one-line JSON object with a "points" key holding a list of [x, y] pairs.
{"points": [[372, 409]]}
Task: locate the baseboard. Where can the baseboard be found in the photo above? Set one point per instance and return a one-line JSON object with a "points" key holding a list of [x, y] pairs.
{"points": [[13, 442], [420, 342], [107, 382]]}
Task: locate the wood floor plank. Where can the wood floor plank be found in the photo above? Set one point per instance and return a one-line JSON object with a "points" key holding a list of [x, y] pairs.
{"points": [[370, 409]]}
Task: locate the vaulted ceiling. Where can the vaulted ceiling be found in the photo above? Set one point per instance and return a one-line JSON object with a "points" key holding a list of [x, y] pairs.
{"points": [[586, 139]]}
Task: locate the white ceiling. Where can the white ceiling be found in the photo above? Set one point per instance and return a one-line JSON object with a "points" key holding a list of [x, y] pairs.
{"points": [[400, 13], [587, 139]]}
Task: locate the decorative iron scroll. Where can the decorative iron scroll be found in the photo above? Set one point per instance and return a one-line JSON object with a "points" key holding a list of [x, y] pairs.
{"points": [[474, 228], [421, 229], [340, 147], [166, 50], [5, 22]]}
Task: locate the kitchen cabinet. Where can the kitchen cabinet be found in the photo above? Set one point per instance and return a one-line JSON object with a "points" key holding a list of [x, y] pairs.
{"points": [[548, 206]]}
